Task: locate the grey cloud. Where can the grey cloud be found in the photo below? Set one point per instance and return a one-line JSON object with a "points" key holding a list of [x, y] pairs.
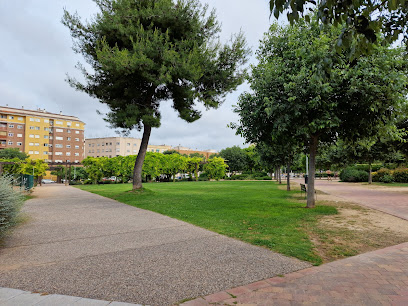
{"points": [[36, 54]]}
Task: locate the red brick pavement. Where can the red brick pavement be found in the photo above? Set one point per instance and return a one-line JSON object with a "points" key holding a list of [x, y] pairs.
{"points": [[374, 278]]}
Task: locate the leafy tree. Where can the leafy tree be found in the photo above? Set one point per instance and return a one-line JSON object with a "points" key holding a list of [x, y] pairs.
{"points": [[152, 165], [34, 167], [235, 157], [10, 153], [145, 52], [295, 99], [252, 159], [215, 168], [173, 164], [365, 20], [94, 168], [169, 152], [193, 164], [14, 168]]}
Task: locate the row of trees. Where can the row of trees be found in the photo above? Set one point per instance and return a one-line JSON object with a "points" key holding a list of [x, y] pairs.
{"points": [[306, 94], [156, 165], [20, 163]]}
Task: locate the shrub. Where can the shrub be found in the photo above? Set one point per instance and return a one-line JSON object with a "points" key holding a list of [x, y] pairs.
{"points": [[203, 177], [353, 175], [386, 179], [366, 167], [401, 175], [378, 177], [240, 177], [10, 203], [263, 178]]}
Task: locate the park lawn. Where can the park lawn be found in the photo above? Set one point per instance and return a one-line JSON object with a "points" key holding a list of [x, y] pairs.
{"points": [[256, 212]]}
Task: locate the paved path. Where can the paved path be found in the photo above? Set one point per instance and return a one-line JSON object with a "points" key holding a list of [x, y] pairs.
{"points": [[14, 297], [375, 278], [377, 197], [80, 244]]}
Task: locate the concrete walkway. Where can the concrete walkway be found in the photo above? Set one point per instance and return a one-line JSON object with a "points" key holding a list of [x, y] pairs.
{"points": [[14, 297], [79, 244], [391, 201], [374, 278]]}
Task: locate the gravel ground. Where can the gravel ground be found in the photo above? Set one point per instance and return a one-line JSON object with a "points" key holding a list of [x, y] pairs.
{"points": [[80, 244]]}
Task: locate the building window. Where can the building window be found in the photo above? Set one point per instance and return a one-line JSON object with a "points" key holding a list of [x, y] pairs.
{"points": [[36, 144], [97, 151], [59, 146], [59, 138], [68, 153], [20, 135], [10, 143], [117, 150], [77, 124], [68, 138], [11, 134], [45, 144], [11, 117], [46, 121], [128, 144], [76, 154], [76, 132], [76, 147], [76, 139], [19, 143], [20, 127], [68, 146], [58, 153], [20, 118], [69, 123], [103, 150], [59, 130], [37, 120], [128, 151], [46, 152], [68, 131], [31, 136], [93, 145], [37, 136], [31, 144], [89, 144], [30, 152], [45, 136], [11, 126], [36, 152], [59, 122], [3, 116], [32, 119], [157, 151]]}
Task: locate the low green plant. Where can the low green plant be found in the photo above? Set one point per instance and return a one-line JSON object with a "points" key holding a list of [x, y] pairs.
{"points": [[400, 175], [10, 202], [387, 178], [353, 175]]}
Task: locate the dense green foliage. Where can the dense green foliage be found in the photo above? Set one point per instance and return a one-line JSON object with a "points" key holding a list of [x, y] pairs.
{"points": [[255, 212], [145, 52], [305, 93], [363, 21], [27, 166], [11, 153], [353, 175], [10, 203]]}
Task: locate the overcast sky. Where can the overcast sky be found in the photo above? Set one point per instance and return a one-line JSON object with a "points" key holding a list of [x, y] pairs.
{"points": [[36, 54]]}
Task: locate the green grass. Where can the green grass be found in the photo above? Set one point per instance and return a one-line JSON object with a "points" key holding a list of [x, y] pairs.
{"points": [[391, 184], [255, 212]]}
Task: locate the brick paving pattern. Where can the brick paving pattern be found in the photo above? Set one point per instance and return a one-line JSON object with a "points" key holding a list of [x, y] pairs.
{"points": [[374, 278]]}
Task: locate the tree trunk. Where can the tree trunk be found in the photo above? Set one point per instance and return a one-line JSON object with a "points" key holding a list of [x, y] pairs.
{"points": [[288, 177], [370, 174], [312, 172], [137, 171], [280, 175], [196, 173]]}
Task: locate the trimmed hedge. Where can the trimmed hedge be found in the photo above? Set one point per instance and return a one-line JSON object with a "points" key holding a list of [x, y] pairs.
{"points": [[400, 175], [353, 175], [10, 203]]}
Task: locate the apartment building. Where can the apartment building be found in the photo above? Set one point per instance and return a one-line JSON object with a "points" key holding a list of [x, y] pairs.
{"points": [[188, 151], [42, 135], [118, 146]]}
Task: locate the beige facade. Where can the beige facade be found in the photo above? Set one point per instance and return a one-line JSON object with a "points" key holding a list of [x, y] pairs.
{"points": [[42, 135], [118, 146]]}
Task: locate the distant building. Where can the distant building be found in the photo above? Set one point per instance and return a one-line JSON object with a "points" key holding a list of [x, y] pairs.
{"points": [[188, 151], [118, 146], [42, 135]]}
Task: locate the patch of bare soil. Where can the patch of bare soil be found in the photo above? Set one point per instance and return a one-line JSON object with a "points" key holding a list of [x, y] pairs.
{"points": [[354, 230]]}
